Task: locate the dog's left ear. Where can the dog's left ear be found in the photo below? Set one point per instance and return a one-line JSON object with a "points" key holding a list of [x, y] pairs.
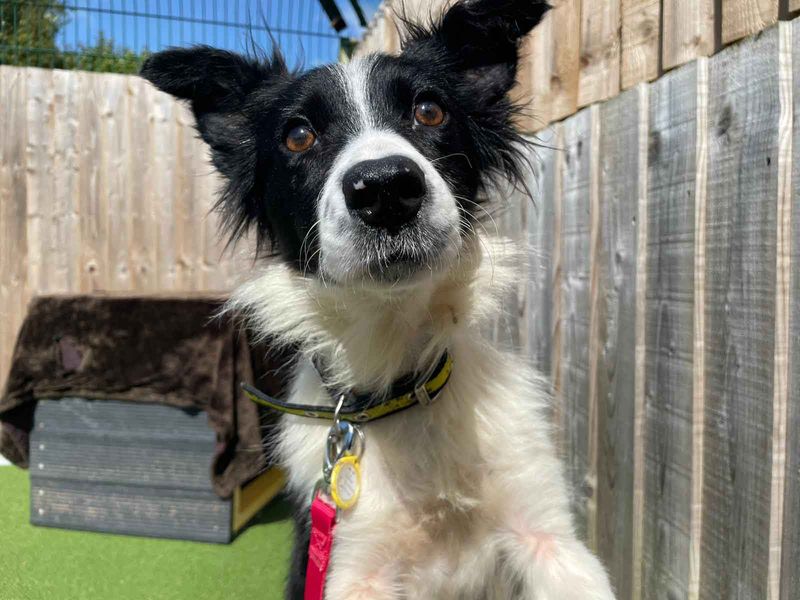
{"points": [[481, 38]]}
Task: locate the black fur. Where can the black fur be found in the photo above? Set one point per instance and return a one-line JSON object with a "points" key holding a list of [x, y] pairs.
{"points": [[466, 61], [245, 106]]}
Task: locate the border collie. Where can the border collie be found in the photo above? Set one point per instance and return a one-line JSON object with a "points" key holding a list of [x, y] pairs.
{"points": [[365, 180]]}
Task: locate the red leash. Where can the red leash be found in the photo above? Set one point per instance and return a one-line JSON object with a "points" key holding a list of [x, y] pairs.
{"points": [[323, 522]]}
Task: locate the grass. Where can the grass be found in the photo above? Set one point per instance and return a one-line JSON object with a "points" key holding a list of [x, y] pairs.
{"points": [[38, 563]]}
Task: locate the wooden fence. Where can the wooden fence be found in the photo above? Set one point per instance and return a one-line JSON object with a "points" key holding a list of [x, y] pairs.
{"points": [[661, 295], [103, 187], [586, 51], [663, 298]]}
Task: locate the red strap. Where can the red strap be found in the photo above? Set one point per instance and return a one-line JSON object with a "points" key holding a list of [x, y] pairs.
{"points": [[323, 522]]}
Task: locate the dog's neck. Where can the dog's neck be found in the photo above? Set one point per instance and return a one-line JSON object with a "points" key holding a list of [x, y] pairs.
{"points": [[367, 337]]}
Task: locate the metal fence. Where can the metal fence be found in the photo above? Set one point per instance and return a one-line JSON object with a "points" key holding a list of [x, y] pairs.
{"points": [[116, 35]]}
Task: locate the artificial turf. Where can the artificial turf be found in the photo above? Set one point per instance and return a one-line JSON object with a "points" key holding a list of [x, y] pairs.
{"points": [[38, 563]]}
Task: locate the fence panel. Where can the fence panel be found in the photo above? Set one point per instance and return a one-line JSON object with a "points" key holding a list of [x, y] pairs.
{"points": [[619, 172], [744, 113], [669, 333], [575, 306], [104, 187]]}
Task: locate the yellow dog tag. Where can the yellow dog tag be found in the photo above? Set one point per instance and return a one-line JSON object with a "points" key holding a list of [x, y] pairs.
{"points": [[346, 482]]}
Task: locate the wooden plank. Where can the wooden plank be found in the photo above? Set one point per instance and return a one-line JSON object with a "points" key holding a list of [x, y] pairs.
{"points": [[185, 200], [114, 183], [699, 334], [565, 58], [38, 174], [164, 132], [557, 337], [532, 91], [639, 400], [13, 201], [599, 53], [669, 334], [616, 272], [688, 31], [741, 18], [63, 243], [143, 252], [783, 266], [744, 112], [790, 575], [640, 38], [540, 238], [93, 204], [575, 310], [596, 318]]}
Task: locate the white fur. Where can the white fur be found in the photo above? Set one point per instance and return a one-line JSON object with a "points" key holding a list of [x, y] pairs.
{"points": [[341, 256], [461, 500]]}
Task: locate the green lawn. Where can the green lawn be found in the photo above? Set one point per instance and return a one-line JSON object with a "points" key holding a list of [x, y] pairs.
{"points": [[38, 563]]}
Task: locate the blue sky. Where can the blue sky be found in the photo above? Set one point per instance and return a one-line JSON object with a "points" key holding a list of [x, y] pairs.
{"points": [[155, 24]]}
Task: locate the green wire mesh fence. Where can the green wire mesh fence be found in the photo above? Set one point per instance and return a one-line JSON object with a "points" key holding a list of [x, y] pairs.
{"points": [[116, 35]]}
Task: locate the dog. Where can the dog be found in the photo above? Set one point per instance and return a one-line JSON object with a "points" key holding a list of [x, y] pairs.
{"points": [[364, 183]]}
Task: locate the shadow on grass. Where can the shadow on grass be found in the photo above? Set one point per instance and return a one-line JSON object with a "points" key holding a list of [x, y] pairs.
{"points": [[280, 509]]}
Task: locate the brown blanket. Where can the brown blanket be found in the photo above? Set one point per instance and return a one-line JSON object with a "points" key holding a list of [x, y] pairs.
{"points": [[166, 350]]}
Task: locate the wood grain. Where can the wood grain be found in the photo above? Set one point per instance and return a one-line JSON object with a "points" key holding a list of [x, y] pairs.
{"points": [[533, 78], [540, 239], [790, 575], [13, 212], [641, 41], [616, 278], [744, 117], [669, 334], [576, 309], [556, 362], [688, 31], [93, 205], [699, 337], [783, 265], [741, 18], [103, 186], [599, 51], [565, 58], [114, 185], [640, 363]]}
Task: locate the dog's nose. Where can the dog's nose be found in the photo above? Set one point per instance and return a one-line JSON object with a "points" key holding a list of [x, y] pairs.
{"points": [[386, 192]]}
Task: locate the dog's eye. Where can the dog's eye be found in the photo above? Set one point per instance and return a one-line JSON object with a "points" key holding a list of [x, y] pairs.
{"points": [[300, 138], [429, 113]]}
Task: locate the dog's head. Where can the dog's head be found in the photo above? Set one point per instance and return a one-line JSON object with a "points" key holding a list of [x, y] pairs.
{"points": [[366, 171]]}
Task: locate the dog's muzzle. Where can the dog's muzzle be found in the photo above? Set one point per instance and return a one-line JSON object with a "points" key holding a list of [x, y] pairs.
{"points": [[385, 193]]}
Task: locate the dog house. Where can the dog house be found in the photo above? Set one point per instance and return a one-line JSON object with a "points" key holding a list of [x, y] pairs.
{"points": [[128, 414]]}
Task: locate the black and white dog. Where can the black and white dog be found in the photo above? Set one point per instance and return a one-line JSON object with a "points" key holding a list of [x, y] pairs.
{"points": [[365, 178]]}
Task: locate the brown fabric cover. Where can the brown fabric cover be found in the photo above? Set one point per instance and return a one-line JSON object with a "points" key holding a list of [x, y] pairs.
{"points": [[164, 350]]}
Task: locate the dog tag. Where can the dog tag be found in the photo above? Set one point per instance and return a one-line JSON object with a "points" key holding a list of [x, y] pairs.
{"points": [[346, 482]]}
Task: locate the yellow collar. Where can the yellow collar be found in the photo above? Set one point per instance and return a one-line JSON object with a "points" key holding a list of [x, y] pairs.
{"points": [[362, 408]]}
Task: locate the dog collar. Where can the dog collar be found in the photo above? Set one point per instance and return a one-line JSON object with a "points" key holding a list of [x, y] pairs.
{"points": [[362, 408]]}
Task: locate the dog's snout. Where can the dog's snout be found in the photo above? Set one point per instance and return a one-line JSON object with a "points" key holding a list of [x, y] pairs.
{"points": [[386, 192]]}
